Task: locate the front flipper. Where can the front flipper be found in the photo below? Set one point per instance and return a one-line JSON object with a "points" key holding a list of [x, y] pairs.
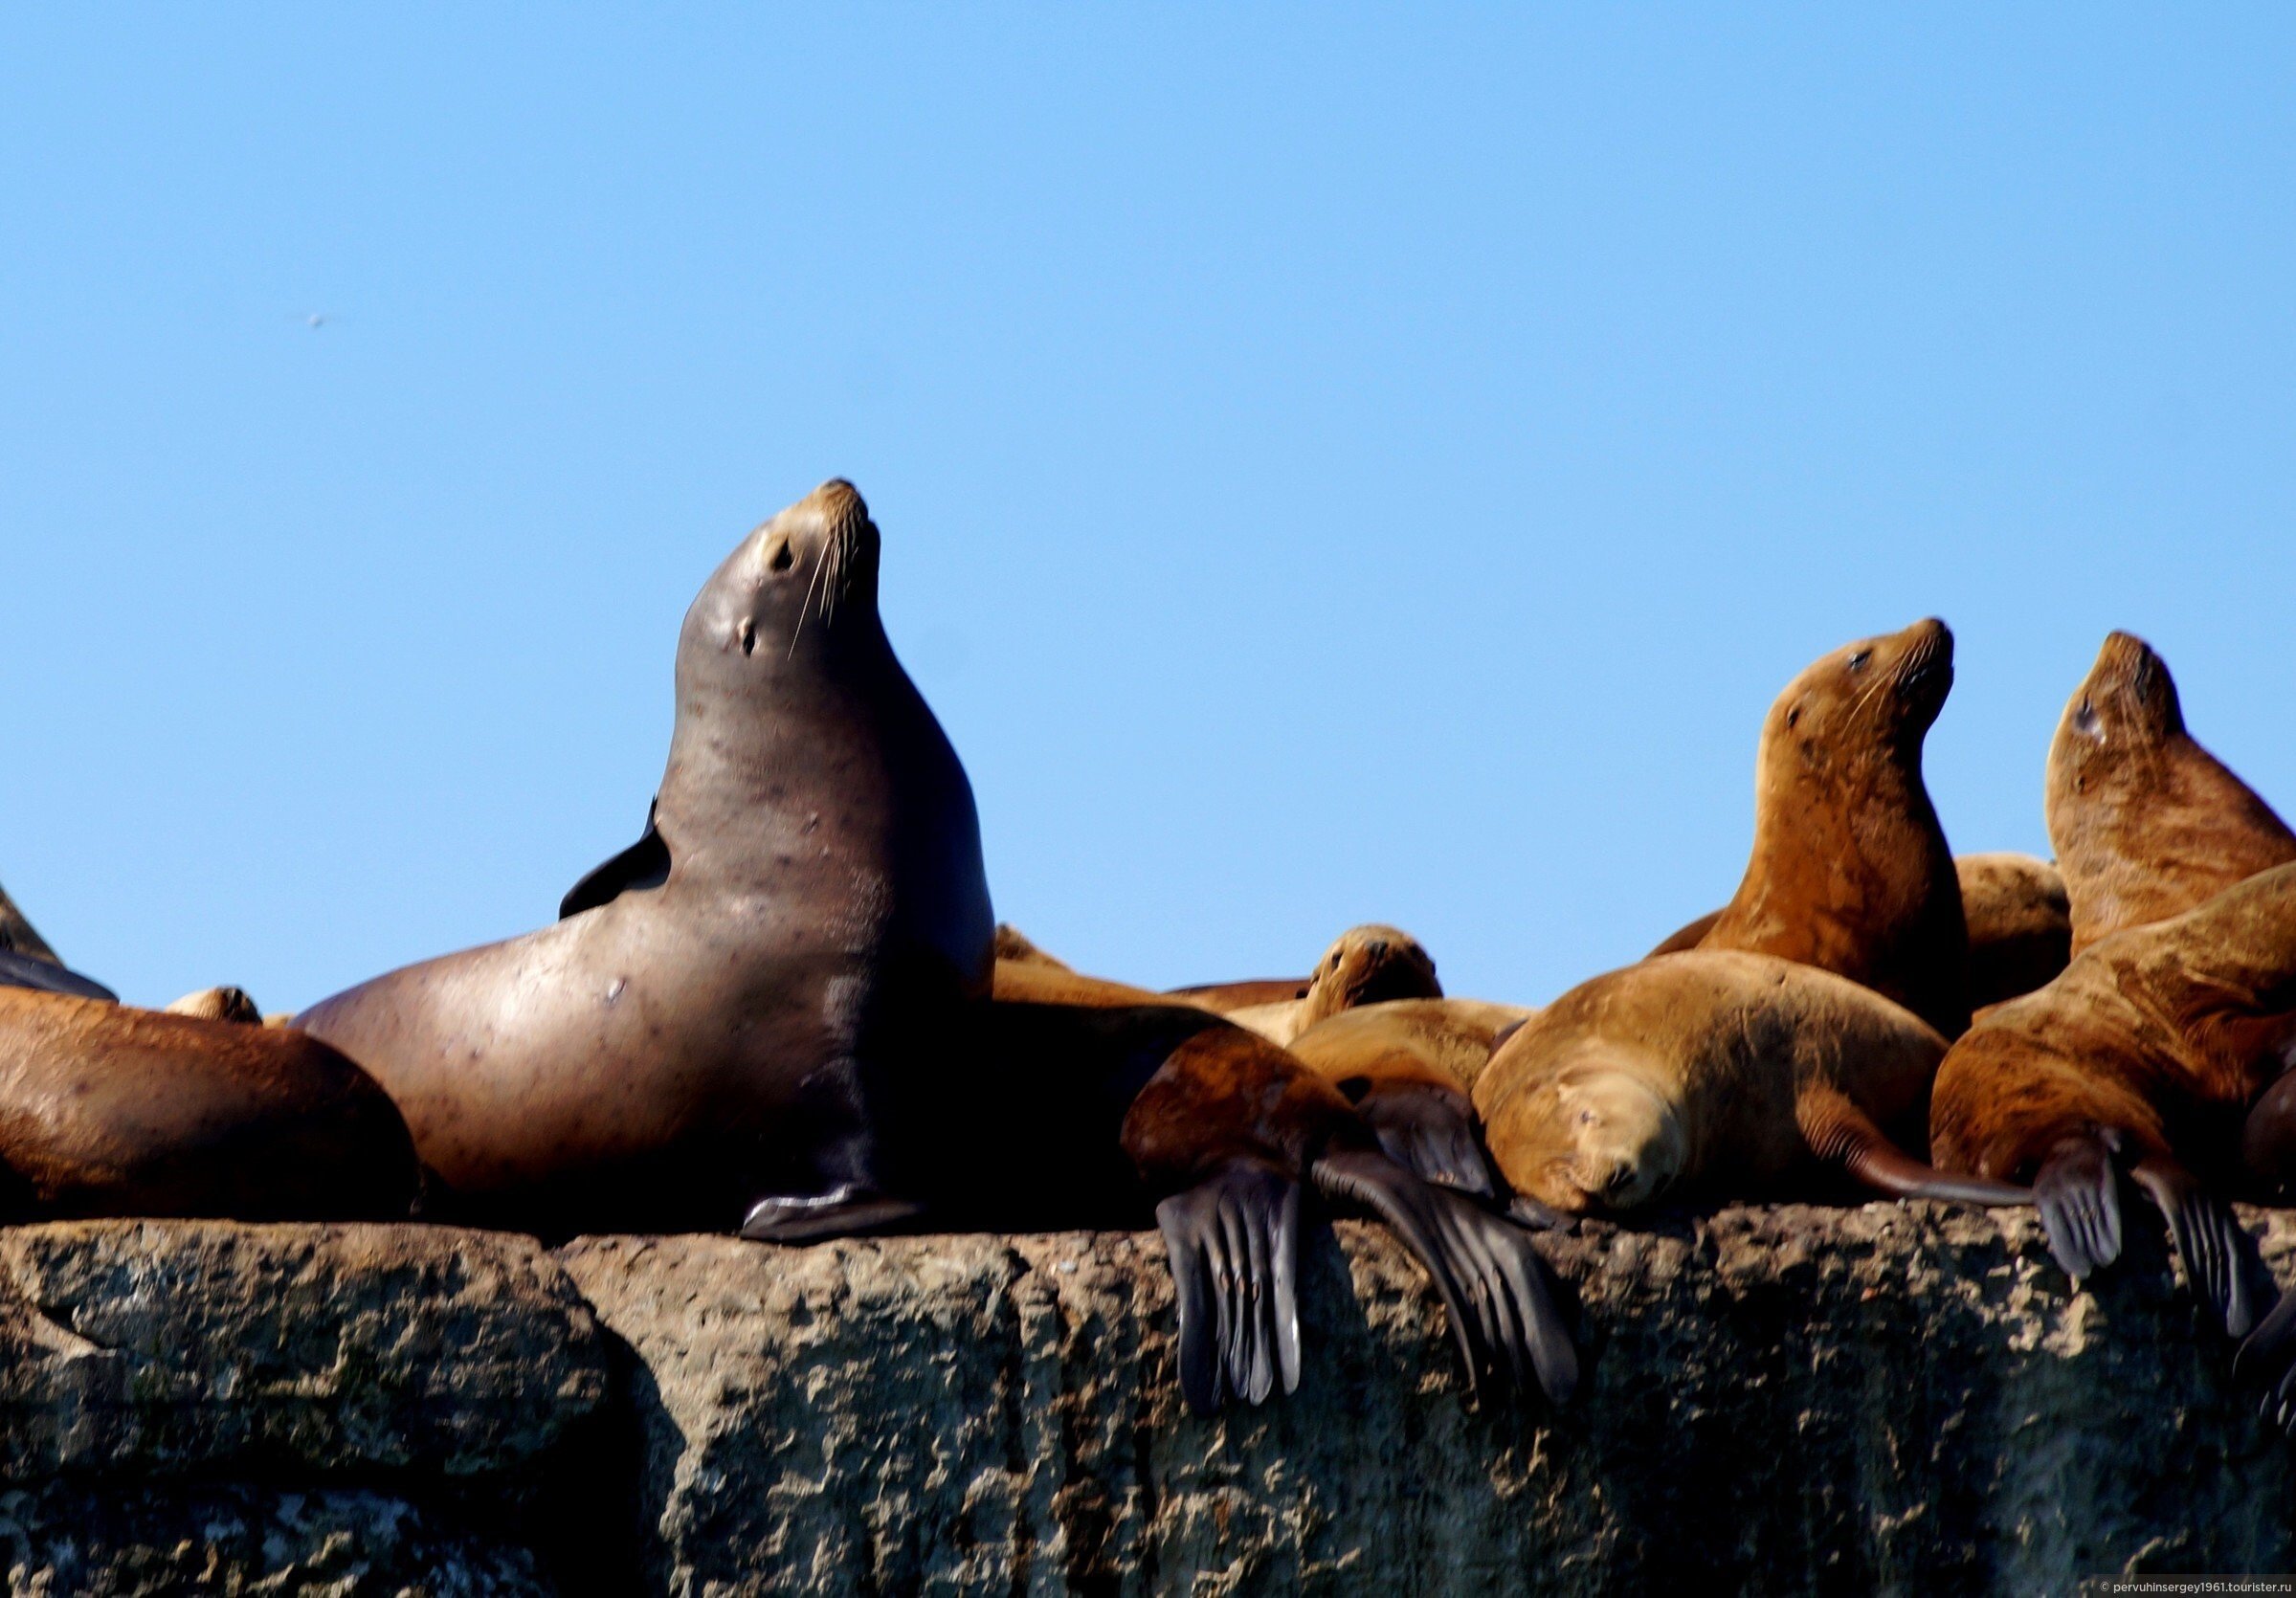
{"points": [[2078, 1193], [1494, 1284], [2268, 1355], [1235, 1244], [1839, 1132], [644, 864], [46, 976], [2209, 1238], [1429, 1129], [843, 1211]]}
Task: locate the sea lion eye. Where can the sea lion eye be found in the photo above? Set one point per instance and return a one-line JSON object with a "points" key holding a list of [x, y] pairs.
{"points": [[1586, 1117], [1858, 660], [782, 557]]}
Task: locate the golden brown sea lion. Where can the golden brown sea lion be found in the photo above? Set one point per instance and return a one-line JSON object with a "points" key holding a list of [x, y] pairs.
{"points": [[1713, 1074], [2147, 1050], [731, 1028], [107, 1110], [2146, 823], [1368, 965], [1850, 871], [1409, 1066], [219, 1003], [2015, 907]]}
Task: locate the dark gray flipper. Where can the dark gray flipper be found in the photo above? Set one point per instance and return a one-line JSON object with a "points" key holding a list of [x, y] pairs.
{"points": [[1839, 1131], [2078, 1193], [1431, 1130], [1497, 1288], [1235, 1245], [1537, 1215], [644, 864], [2209, 1238], [45, 976], [2267, 1356], [844, 1212]]}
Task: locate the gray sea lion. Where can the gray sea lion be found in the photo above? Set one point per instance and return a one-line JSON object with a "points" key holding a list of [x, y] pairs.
{"points": [[108, 1110], [726, 1035], [1714, 1074]]}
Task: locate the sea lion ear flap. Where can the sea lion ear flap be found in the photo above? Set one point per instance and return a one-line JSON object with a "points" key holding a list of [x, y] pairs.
{"points": [[644, 864]]}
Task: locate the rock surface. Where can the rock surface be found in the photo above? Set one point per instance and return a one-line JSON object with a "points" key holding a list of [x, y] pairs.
{"points": [[1891, 1398]]}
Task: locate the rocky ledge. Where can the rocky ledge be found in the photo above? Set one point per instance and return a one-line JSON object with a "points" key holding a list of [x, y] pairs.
{"points": [[1888, 1398]]}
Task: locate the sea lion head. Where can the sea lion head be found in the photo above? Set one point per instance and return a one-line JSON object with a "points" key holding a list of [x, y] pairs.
{"points": [[220, 1003], [1595, 1135], [1370, 965], [1878, 693], [2124, 711], [793, 590]]}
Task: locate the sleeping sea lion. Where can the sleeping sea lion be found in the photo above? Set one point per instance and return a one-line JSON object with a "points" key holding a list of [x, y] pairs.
{"points": [[1409, 1066], [2146, 1053], [2146, 823], [1369, 965], [219, 1003], [107, 1110], [728, 1031], [2015, 907], [1714, 1074], [1850, 871]]}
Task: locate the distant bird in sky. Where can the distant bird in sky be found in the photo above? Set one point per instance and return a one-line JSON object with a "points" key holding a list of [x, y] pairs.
{"points": [[316, 321]]}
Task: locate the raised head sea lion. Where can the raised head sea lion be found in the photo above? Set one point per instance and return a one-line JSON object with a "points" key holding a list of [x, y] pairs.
{"points": [[728, 1029], [1714, 1074], [219, 1003], [107, 1110], [2015, 907], [2146, 1053], [2146, 823], [1850, 871], [1409, 1066], [1366, 966]]}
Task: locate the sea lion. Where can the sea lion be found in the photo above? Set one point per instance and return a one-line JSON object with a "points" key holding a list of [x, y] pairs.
{"points": [[1850, 871], [1126, 1105], [220, 1003], [1368, 965], [2016, 916], [1714, 1074], [1011, 944], [728, 1035], [2146, 1052], [1409, 1066], [1226, 998], [2146, 823], [107, 1110]]}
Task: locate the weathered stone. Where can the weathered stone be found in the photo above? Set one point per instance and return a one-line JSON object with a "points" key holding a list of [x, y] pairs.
{"points": [[135, 1350], [1892, 1398], [234, 1541]]}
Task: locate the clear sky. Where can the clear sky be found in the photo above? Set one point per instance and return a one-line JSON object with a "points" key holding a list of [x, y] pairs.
{"points": [[1334, 464]]}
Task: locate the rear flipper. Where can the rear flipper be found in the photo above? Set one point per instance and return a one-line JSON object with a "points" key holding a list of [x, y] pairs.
{"points": [[1429, 1131], [1235, 1244], [846, 1210], [1839, 1131], [1494, 1284], [2209, 1238], [2079, 1195]]}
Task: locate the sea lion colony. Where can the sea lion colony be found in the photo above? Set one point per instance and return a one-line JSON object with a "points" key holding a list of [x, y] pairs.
{"points": [[787, 1011]]}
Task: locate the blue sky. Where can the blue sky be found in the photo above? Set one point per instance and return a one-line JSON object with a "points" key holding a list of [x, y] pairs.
{"points": [[1334, 464]]}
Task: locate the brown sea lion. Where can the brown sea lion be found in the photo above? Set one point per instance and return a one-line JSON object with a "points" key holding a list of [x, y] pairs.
{"points": [[1011, 944], [2146, 1052], [1409, 1066], [2014, 908], [1368, 965], [1850, 871], [1714, 1074], [2146, 823], [107, 1110], [219, 1003], [729, 1030]]}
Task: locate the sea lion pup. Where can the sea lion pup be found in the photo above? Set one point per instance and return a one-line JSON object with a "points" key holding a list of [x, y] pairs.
{"points": [[1715, 1075], [1125, 1104], [1409, 1066], [108, 1110], [1850, 871], [730, 1035], [2146, 823], [1368, 965], [2146, 1052], [2014, 908], [219, 1003]]}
